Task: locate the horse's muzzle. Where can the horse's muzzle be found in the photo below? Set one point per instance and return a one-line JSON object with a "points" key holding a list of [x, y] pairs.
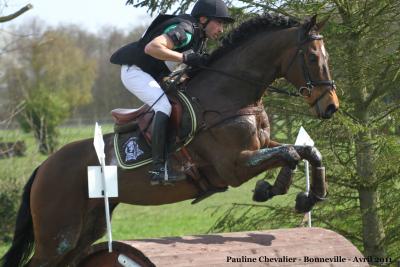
{"points": [[329, 111]]}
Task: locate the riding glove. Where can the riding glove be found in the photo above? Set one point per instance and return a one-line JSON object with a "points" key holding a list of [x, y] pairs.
{"points": [[195, 59]]}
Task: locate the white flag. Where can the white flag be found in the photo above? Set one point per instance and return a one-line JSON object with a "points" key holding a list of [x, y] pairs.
{"points": [[303, 139], [98, 143]]}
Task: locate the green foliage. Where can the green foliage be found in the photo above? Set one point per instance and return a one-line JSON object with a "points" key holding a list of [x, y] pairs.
{"points": [[160, 6], [15, 172], [128, 221], [52, 78], [361, 144], [13, 175], [10, 191]]}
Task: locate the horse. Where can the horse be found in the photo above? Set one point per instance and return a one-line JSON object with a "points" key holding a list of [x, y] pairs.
{"points": [[57, 221]]}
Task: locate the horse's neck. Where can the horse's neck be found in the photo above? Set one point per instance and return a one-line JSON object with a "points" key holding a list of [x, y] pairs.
{"points": [[256, 64]]}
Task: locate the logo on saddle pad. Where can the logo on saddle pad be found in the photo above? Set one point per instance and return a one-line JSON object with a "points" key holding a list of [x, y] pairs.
{"points": [[132, 150]]}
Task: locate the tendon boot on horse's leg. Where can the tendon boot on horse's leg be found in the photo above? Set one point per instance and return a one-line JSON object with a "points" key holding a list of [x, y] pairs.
{"points": [[264, 190], [160, 174], [304, 201]]}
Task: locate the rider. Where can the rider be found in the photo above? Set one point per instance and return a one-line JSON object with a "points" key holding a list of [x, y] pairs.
{"points": [[169, 41]]}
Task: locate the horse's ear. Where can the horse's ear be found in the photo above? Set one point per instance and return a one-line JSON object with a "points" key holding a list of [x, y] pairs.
{"points": [[320, 25], [310, 23]]}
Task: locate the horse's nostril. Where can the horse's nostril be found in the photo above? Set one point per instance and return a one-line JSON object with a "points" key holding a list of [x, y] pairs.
{"points": [[330, 110]]}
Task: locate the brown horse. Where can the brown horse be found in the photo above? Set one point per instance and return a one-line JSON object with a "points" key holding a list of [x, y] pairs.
{"points": [[58, 221]]}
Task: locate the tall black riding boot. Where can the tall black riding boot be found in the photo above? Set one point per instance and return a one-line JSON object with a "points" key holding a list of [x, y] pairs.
{"points": [[159, 174]]}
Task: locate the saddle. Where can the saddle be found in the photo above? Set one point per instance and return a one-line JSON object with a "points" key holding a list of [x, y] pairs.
{"points": [[127, 120], [132, 140]]}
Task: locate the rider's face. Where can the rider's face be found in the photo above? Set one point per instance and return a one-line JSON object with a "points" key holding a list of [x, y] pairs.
{"points": [[214, 28]]}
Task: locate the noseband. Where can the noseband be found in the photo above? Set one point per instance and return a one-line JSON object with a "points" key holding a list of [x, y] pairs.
{"points": [[310, 84]]}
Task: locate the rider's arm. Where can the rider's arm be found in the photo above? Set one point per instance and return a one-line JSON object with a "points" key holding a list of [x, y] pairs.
{"points": [[175, 36], [161, 48]]}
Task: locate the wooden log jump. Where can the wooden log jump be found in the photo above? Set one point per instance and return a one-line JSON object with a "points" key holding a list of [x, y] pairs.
{"points": [[282, 247]]}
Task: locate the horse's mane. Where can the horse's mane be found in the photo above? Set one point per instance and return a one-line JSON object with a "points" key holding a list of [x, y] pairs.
{"points": [[257, 24]]}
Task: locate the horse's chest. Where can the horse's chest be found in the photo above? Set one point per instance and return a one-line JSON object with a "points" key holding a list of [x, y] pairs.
{"points": [[254, 131], [263, 129], [243, 133]]}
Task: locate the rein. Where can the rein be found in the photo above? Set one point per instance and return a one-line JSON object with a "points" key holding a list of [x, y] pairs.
{"points": [[310, 84], [270, 88]]}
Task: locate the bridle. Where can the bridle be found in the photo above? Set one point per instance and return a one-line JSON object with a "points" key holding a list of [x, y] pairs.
{"points": [[310, 84], [306, 90]]}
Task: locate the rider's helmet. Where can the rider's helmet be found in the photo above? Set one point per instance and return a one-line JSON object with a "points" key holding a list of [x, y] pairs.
{"points": [[212, 9]]}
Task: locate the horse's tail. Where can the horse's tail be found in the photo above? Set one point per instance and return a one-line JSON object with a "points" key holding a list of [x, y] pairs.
{"points": [[22, 244]]}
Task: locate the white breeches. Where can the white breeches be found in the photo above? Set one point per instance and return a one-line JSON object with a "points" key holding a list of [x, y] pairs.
{"points": [[142, 85]]}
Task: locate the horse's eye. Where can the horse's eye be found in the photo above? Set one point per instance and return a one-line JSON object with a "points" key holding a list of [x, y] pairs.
{"points": [[313, 58]]}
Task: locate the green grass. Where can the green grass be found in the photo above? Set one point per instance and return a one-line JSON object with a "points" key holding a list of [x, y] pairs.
{"points": [[176, 219], [136, 221]]}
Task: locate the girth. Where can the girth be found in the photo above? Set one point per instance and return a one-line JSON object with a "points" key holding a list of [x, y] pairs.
{"points": [[224, 116], [204, 186]]}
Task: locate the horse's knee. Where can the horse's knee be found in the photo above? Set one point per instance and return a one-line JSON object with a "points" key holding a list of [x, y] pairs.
{"points": [[291, 157], [310, 153], [316, 157]]}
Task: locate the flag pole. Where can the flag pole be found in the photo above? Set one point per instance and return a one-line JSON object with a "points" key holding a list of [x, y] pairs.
{"points": [[99, 146], [303, 139], [307, 172]]}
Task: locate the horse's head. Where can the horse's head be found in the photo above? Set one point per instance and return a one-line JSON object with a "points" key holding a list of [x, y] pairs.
{"points": [[307, 68]]}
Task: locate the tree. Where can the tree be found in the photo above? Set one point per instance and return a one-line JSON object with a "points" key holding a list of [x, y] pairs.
{"points": [[366, 43], [5, 119], [361, 145], [53, 76], [15, 14], [108, 91]]}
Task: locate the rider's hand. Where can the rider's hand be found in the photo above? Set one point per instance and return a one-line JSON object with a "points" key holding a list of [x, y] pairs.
{"points": [[195, 59]]}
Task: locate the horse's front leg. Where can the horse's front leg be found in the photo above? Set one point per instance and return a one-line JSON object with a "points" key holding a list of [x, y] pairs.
{"points": [[287, 156], [273, 156], [264, 190], [318, 188]]}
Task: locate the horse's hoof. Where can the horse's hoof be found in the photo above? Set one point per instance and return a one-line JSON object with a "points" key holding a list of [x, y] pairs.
{"points": [[262, 191], [303, 203]]}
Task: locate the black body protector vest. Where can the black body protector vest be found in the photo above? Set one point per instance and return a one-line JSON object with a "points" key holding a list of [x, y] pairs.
{"points": [[133, 53]]}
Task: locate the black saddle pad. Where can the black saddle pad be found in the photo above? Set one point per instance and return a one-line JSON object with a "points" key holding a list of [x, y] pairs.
{"points": [[133, 151]]}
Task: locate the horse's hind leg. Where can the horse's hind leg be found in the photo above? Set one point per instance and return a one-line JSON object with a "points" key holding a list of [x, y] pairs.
{"points": [[53, 245], [93, 229], [65, 251], [57, 223], [65, 258], [318, 188], [50, 258]]}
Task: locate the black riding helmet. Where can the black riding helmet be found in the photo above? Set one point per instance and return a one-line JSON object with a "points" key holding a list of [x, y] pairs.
{"points": [[212, 9]]}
